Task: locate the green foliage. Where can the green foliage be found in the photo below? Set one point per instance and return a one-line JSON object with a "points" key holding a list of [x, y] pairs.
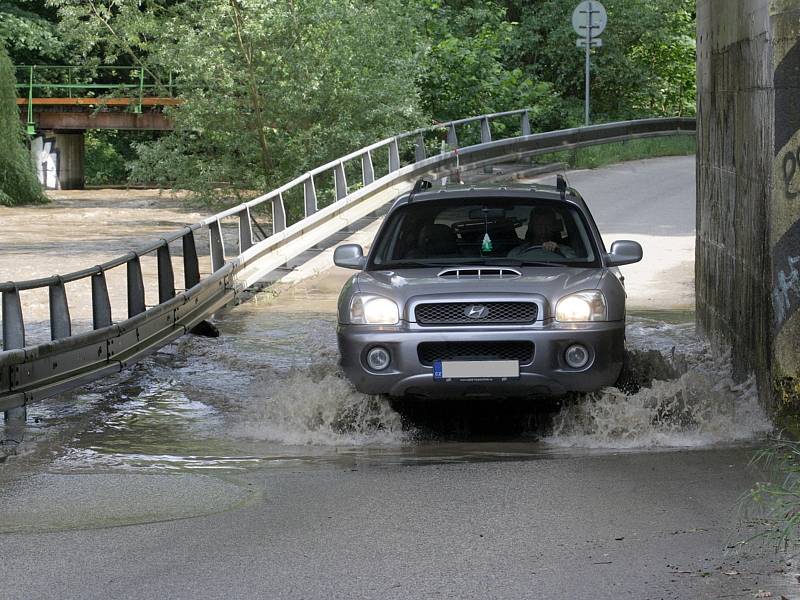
{"points": [[18, 183], [110, 153], [465, 70], [593, 157], [272, 89], [28, 32], [646, 66], [772, 505]]}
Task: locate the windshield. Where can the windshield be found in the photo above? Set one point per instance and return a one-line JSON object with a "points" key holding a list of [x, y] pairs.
{"points": [[498, 231]]}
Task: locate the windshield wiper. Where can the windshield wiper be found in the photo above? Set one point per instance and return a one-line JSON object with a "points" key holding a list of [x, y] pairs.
{"points": [[535, 263], [411, 263], [516, 262]]}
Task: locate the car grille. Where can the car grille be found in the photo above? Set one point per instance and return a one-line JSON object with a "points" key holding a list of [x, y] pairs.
{"points": [[429, 352], [496, 313]]}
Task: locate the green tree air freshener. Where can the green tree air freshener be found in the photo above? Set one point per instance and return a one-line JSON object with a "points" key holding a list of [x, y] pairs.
{"points": [[486, 246]]}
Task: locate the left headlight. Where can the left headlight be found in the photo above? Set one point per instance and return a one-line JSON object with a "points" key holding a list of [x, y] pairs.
{"points": [[582, 306], [373, 310]]}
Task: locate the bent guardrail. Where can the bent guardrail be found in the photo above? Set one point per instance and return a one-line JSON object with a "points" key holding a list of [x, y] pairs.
{"points": [[33, 372]]}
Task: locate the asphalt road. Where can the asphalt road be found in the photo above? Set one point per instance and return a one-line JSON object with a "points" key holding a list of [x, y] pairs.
{"points": [[657, 198], [631, 525], [477, 518], [652, 202]]}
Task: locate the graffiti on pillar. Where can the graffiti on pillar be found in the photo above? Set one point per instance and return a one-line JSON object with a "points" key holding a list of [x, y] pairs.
{"points": [[45, 157], [787, 120], [786, 292], [786, 252], [791, 160]]}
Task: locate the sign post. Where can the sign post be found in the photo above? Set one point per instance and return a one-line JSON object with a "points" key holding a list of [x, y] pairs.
{"points": [[589, 21]]}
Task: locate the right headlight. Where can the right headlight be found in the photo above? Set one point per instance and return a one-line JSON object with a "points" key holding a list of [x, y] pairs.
{"points": [[373, 310], [589, 305]]}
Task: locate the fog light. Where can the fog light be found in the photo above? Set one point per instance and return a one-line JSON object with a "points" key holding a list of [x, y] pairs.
{"points": [[576, 356], [378, 358]]}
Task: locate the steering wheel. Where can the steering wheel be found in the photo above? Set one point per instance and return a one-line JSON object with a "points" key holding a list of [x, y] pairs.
{"points": [[541, 247]]}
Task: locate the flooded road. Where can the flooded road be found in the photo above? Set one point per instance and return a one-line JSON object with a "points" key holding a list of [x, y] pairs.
{"points": [[298, 486], [269, 392], [246, 466]]}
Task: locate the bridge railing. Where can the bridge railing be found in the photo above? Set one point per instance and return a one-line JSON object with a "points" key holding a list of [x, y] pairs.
{"points": [[30, 372], [101, 83]]}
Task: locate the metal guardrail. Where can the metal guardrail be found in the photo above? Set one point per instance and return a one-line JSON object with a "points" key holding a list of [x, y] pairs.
{"points": [[29, 373]]}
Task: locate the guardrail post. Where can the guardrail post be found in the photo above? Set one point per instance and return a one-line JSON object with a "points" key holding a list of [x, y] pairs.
{"points": [[13, 337], [13, 323], [278, 214], [101, 305], [419, 148], [191, 266], [525, 123], [486, 131], [216, 246], [367, 172], [340, 181], [135, 287], [245, 230], [60, 322], [394, 156], [310, 195], [452, 138], [166, 276]]}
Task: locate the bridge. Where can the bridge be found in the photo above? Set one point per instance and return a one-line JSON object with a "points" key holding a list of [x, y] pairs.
{"points": [[61, 102]]}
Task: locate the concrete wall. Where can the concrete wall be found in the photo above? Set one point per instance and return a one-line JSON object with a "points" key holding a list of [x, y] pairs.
{"points": [[748, 174]]}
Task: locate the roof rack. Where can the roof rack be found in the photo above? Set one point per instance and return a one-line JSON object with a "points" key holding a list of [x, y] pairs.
{"points": [[561, 185], [421, 185]]}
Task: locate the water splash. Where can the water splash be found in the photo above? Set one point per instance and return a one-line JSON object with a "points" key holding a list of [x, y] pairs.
{"points": [[668, 398], [319, 407]]}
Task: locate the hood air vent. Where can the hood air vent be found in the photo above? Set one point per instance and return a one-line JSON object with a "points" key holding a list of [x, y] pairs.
{"points": [[480, 273]]}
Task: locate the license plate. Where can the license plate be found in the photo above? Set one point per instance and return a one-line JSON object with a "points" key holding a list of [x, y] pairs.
{"points": [[475, 370]]}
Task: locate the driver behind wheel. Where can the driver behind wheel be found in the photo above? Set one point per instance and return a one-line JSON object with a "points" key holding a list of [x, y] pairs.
{"points": [[544, 227]]}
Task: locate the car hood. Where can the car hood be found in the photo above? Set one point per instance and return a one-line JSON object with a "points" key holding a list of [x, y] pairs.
{"points": [[551, 283]]}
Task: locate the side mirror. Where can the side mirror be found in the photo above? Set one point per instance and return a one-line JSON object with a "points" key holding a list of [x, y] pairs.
{"points": [[624, 252], [349, 256]]}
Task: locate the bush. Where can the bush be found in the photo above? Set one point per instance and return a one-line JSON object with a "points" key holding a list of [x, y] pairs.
{"points": [[18, 182]]}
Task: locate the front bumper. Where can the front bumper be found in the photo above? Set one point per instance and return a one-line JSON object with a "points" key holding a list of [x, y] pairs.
{"points": [[546, 375]]}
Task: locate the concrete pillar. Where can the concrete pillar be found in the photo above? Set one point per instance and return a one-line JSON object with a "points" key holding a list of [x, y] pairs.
{"points": [[747, 270], [70, 150], [45, 159]]}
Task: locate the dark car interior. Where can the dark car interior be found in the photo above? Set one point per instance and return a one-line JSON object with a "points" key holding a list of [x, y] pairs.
{"points": [[496, 229]]}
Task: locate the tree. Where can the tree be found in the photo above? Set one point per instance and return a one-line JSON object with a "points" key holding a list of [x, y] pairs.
{"points": [[273, 89], [18, 182], [645, 67], [28, 30], [466, 69]]}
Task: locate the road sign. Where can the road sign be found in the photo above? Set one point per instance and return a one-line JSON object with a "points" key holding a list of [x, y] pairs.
{"points": [[588, 20], [594, 43], [589, 14]]}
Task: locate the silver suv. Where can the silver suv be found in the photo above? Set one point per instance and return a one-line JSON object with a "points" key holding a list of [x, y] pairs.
{"points": [[484, 291]]}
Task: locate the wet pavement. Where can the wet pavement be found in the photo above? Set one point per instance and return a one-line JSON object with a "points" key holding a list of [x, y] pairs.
{"points": [[246, 466], [299, 487]]}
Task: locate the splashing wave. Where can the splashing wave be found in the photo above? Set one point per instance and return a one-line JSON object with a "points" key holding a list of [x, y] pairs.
{"points": [[669, 399]]}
